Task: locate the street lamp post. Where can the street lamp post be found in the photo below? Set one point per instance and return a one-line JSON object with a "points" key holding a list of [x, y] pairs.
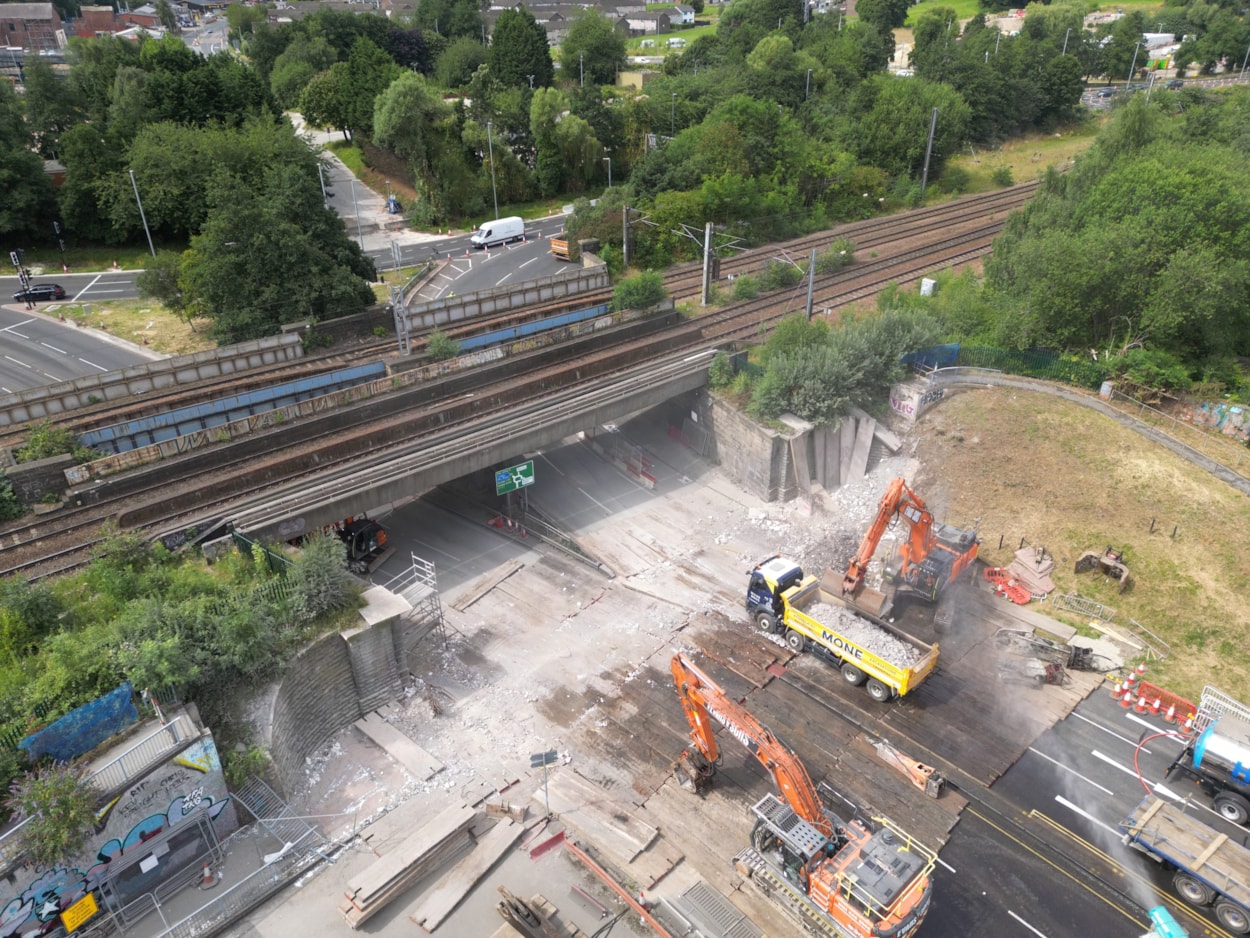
{"points": [[356, 211], [1243, 62], [807, 92], [608, 160], [490, 146], [1065, 41], [142, 216], [581, 68], [1133, 68], [672, 116]]}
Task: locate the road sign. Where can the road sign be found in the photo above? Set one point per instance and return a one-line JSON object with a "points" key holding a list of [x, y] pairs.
{"points": [[540, 759], [514, 478], [78, 913]]}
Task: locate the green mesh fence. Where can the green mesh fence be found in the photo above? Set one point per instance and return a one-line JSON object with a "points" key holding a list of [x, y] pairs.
{"points": [[1032, 363]]}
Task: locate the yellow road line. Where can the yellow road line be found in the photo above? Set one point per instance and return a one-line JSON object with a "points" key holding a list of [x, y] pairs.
{"points": [[1127, 914]]}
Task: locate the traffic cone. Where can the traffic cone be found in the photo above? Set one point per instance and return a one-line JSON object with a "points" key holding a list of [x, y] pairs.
{"points": [[116, 266], [209, 880], [1130, 680], [1170, 716], [1127, 700], [1140, 706], [466, 252], [1140, 670], [1154, 707], [1117, 691], [64, 268], [1189, 725]]}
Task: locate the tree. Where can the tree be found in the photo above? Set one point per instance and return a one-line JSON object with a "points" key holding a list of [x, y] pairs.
{"points": [[459, 61], [27, 193], [450, 18], [519, 52], [305, 57], [327, 99], [165, 14], [161, 280], [241, 263], [594, 48], [51, 107], [60, 807], [409, 50], [894, 119], [319, 577]]}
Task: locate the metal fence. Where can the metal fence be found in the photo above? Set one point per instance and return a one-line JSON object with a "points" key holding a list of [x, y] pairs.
{"points": [[145, 753], [1034, 363]]}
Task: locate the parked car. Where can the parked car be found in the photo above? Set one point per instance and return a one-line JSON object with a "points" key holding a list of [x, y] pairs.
{"points": [[1175, 85], [1104, 92], [38, 292]]}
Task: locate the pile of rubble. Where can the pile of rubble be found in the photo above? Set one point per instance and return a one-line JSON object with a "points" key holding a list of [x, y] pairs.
{"points": [[867, 635]]}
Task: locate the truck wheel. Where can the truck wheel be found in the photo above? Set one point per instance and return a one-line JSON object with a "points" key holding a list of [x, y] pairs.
{"points": [[766, 623], [853, 675], [1192, 890], [1232, 807], [796, 641], [1233, 917], [878, 691]]}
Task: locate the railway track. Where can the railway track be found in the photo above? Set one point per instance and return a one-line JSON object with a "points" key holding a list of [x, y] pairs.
{"points": [[380, 432], [922, 226]]}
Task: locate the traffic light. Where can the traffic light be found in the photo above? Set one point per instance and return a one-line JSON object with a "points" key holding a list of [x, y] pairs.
{"points": [[56, 228], [17, 261]]}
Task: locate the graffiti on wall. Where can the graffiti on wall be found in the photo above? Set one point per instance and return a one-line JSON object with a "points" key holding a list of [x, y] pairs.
{"points": [[910, 401], [167, 797]]}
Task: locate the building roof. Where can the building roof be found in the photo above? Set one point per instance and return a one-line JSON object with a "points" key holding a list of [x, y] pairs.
{"points": [[27, 11]]}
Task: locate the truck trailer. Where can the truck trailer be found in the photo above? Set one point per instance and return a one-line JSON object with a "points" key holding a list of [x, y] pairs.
{"points": [[1210, 870], [1218, 762], [813, 616]]}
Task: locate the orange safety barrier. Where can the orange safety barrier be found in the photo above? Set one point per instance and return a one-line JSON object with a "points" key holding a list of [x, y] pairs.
{"points": [[1167, 701]]}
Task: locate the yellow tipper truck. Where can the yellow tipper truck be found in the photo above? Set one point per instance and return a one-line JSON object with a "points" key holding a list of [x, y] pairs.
{"points": [[811, 616]]}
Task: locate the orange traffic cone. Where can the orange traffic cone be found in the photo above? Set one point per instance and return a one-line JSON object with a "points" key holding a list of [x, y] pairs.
{"points": [[1127, 700], [1170, 716], [1117, 691], [1140, 670], [64, 268], [1154, 707], [1140, 706], [1130, 680], [116, 266], [1189, 725], [209, 880]]}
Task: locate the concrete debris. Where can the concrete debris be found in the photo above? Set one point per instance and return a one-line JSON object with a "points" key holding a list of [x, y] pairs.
{"points": [[865, 634]]}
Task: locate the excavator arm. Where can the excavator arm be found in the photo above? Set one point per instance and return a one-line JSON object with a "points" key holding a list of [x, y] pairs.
{"points": [[898, 498], [703, 699]]}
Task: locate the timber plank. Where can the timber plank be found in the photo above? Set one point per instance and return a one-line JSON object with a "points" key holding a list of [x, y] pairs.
{"points": [[459, 881], [399, 747], [603, 819], [441, 827]]}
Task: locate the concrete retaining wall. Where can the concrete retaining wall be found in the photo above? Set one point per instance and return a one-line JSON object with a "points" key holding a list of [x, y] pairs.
{"points": [[567, 283], [33, 480], [38, 403], [757, 457]]}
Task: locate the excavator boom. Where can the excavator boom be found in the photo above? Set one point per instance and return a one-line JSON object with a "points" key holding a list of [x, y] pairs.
{"points": [[702, 699]]}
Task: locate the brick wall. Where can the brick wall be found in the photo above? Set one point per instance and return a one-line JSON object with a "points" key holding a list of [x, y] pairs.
{"points": [[757, 457], [375, 670], [33, 480]]}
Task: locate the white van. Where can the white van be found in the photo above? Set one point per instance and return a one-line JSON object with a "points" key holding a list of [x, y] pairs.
{"points": [[677, 43], [499, 231]]}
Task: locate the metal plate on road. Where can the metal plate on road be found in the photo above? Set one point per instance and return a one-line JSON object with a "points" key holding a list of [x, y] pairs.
{"points": [[514, 477]]}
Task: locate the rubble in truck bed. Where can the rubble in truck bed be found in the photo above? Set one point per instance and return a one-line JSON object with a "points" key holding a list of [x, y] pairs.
{"points": [[865, 634]]}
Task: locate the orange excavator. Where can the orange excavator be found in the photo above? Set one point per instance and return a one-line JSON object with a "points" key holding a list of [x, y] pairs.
{"points": [[854, 879], [933, 554]]}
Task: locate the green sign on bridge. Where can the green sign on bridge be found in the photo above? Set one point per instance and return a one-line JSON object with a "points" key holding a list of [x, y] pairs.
{"points": [[514, 478]]}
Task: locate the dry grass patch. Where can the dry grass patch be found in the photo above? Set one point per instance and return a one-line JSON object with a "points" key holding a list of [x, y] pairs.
{"points": [[142, 322], [1058, 475]]}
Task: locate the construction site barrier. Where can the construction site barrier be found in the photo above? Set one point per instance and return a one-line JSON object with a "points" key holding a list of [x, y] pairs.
{"points": [[1167, 700]]}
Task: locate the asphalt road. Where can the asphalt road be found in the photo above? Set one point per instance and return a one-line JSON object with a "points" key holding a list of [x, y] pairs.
{"points": [[37, 349]]}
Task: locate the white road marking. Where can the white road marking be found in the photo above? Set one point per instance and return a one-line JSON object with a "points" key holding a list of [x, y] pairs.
{"points": [[500, 281], [16, 362], [93, 365], [1066, 769], [6, 390], [945, 864], [98, 290], [1110, 732], [15, 325], [547, 460], [1026, 924], [1150, 726], [94, 281], [54, 348], [1089, 817], [528, 262], [606, 509], [50, 377]]}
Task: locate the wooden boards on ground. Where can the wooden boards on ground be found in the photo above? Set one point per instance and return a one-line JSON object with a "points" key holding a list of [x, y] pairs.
{"points": [[399, 747], [438, 840], [601, 819], [451, 889]]}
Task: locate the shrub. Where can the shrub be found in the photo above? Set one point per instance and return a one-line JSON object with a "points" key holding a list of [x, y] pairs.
{"points": [[641, 291], [778, 275], [1002, 176], [61, 807], [720, 373], [320, 578], [441, 347], [839, 254], [955, 179], [45, 440], [10, 506], [746, 287]]}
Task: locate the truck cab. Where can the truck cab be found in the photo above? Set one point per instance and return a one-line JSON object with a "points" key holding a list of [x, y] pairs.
{"points": [[769, 579]]}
